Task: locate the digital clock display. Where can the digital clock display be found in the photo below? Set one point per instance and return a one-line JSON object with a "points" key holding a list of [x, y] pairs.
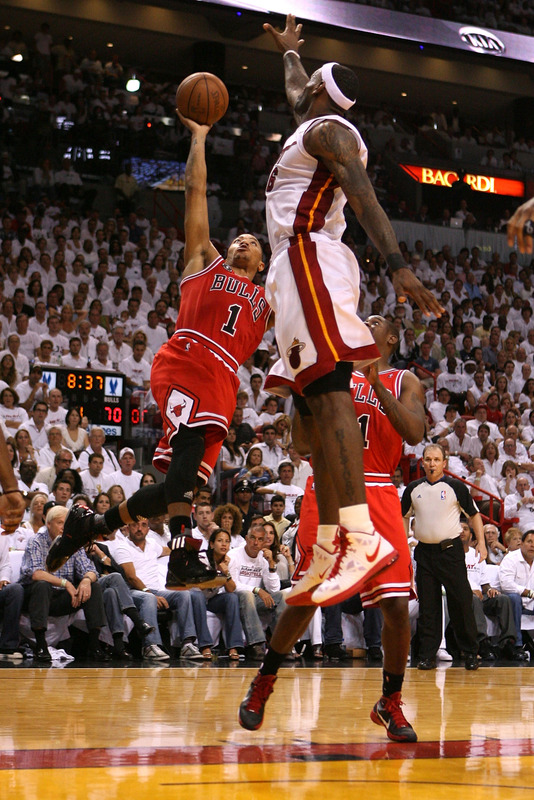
{"points": [[99, 395]]}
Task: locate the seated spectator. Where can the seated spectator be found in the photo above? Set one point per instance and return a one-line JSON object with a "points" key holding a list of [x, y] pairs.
{"points": [[496, 550], [438, 407], [11, 600], [232, 455], [47, 454], [224, 601], [520, 505], [228, 517], [73, 435], [278, 554], [460, 443], [249, 415], [56, 413], [277, 515], [489, 602], [203, 516], [302, 468], [138, 557], [487, 506], [481, 417], [27, 482], [429, 363], [8, 371], [254, 471], [284, 487], [92, 481], [32, 389], [116, 494], [126, 477], [272, 452], [97, 437], [24, 445], [11, 414], [136, 367], [48, 475], [55, 594], [282, 425], [512, 539], [258, 588], [244, 432], [271, 411], [516, 577]]}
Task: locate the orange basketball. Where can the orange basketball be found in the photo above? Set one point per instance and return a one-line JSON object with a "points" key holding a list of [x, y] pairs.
{"points": [[202, 97]]}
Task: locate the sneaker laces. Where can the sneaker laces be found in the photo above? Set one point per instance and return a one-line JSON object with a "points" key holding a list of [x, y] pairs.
{"points": [[262, 688], [393, 705]]}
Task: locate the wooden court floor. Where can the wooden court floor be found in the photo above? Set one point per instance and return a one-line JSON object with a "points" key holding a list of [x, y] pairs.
{"points": [[165, 732]]}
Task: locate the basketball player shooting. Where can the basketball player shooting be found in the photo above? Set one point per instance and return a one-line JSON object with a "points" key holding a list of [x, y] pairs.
{"points": [[222, 319], [313, 288]]}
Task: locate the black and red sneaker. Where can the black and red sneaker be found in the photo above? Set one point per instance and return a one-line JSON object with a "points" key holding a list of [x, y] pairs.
{"points": [[78, 531], [187, 569], [388, 712], [253, 706]]}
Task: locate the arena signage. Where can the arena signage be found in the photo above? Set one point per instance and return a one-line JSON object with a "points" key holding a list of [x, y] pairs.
{"points": [[396, 25], [480, 183]]}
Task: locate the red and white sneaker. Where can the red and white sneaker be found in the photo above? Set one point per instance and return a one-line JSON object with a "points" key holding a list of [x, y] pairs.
{"points": [[388, 712], [361, 556], [320, 567]]}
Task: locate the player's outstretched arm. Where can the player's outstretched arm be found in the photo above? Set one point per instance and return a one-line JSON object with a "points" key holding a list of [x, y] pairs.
{"points": [[198, 250], [337, 148], [407, 414], [516, 227], [296, 77]]}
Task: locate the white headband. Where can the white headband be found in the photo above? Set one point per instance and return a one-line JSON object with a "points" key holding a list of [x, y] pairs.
{"points": [[333, 89]]}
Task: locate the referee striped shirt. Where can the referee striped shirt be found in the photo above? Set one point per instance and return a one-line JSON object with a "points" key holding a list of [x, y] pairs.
{"points": [[437, 508]]}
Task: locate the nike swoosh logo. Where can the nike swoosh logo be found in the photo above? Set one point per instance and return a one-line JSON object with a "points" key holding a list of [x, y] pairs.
{"points": [[321, 576], [372, 558]]}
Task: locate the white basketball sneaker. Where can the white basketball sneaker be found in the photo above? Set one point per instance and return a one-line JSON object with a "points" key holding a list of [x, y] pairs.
{"points": [[361, 556], [320, 568]]}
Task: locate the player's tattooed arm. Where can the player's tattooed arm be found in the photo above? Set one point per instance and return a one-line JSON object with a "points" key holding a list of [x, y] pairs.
{"points": [[289, 41], [337, 148]]}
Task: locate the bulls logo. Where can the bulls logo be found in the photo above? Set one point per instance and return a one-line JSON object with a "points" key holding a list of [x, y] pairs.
{"points": [[293, 353], [177, 410]]}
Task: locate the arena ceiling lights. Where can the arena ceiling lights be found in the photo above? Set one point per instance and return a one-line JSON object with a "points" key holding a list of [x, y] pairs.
{"points": [[396, 25]]}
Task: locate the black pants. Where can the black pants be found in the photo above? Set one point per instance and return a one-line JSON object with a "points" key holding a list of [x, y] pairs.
{"points": [[498, 608], [437, 568], [42, 600]]}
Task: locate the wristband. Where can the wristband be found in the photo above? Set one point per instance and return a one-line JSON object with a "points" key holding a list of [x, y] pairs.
{"points": [[256, 590], [146, 589], [291, 51], [63, 583]]}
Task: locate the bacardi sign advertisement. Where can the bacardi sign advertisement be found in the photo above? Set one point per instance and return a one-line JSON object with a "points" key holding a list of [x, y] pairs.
{"points": [[432, 176]]}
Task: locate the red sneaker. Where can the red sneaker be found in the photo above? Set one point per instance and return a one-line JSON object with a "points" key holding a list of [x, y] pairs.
{"points": [[388, 712], [253, 706]]}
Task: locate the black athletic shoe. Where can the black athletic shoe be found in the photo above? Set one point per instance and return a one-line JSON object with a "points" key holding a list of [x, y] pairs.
{"points": [[334, 652], [186, 570], [388, 712], [78, 532], [252, 708], [471, 661]]}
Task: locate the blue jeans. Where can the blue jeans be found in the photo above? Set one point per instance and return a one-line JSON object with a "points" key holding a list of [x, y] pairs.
{"points": [[198, 601], [180, 602], [517, 610], [147, 605], [227, 604], [117, 597], [251, 606], [11, 599]]}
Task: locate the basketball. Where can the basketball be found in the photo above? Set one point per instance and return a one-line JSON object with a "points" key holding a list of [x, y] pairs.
{"points": [[202, 97]]}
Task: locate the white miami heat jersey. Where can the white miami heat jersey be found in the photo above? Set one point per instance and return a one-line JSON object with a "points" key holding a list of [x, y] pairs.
{"points": [[302, 195]]}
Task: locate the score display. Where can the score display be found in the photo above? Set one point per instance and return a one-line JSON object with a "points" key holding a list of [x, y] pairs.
{"points": [[99, 395]]}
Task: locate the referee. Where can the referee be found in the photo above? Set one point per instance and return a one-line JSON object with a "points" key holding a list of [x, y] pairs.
{"points": [[436, 502]]}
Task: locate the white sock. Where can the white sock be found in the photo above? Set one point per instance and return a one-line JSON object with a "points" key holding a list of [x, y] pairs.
{"points": [[356, 518], [325, 537]]}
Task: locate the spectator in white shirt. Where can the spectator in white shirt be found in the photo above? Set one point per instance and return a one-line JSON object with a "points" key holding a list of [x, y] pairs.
{"points": [[460, 443], [38, 324], [256, 396], [60, 342], [92, 478], [155, 334], [22, 365], [272, 452], [36, 425], [136, 368], [56, 412], [32, 389], [302, 468], [102, 360], [284, 486], [521, 505], [74, 358], [126, 477], [97, 437], [118, 349]]}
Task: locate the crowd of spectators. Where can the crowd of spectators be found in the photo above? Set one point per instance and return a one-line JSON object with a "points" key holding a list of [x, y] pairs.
{"points": [[81, 289], [516, 16]]}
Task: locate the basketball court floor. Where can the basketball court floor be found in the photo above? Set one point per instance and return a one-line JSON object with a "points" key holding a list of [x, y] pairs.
{"points": [[172, 732]]}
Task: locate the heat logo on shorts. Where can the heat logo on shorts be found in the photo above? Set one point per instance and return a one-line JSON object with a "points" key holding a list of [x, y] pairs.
{"points": [[293, 353]]}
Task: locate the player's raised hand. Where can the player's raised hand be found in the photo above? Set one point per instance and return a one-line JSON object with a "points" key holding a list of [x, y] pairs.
{"points": [[193, 126], [521, 226], [406, 284], [288, 39], [371, 373], [12, 507]]}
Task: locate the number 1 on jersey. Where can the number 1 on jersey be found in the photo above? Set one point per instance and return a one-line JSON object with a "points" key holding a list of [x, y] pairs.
{"points": [[229, 325], [363, 419]]}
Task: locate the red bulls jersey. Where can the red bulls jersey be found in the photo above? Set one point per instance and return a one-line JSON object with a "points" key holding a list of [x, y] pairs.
{"points": [[382, 445], [224, 312]]}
